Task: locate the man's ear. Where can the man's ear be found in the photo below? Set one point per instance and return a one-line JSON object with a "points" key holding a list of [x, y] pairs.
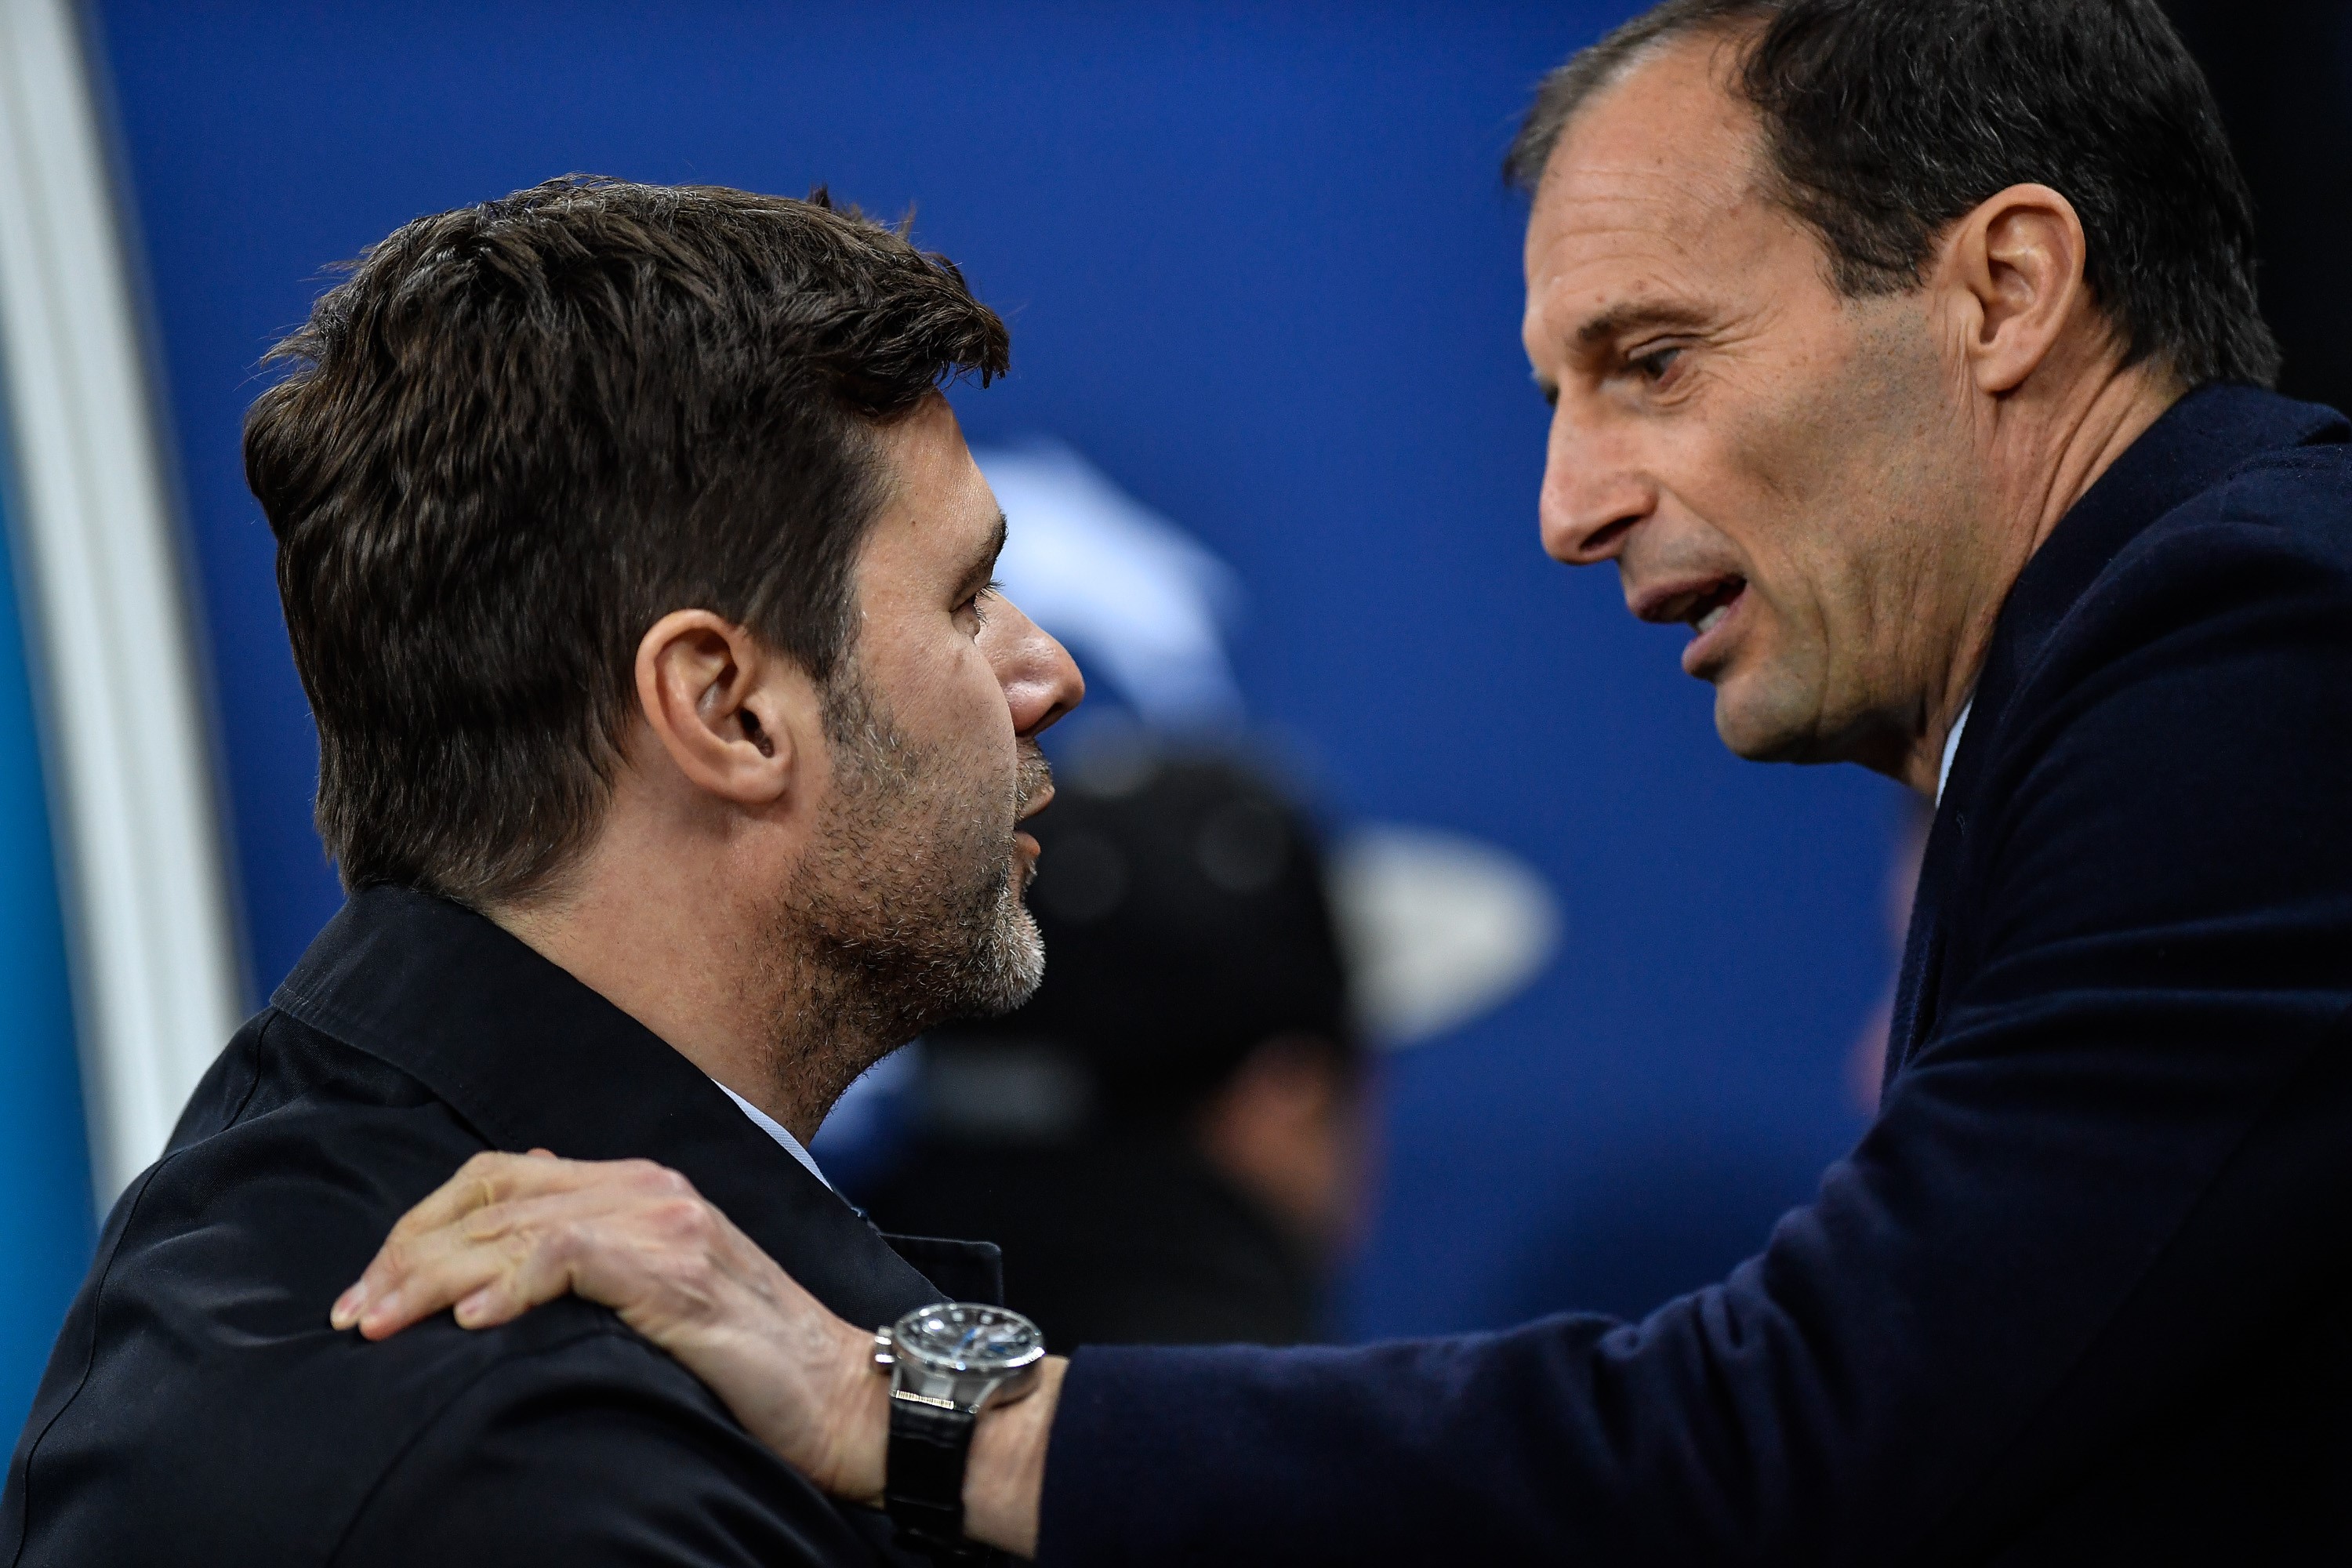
{"points": [[731, 714], [2016, 264]]}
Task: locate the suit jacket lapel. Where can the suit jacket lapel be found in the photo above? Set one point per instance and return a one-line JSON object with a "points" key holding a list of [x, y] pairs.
{"points": [[2198, 440]]}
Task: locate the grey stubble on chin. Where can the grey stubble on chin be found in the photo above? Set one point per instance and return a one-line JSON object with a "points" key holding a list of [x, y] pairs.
{"points": [[908, 915]]}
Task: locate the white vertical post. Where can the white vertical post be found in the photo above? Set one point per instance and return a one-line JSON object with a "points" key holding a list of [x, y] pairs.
{"points": [[157, 981]]}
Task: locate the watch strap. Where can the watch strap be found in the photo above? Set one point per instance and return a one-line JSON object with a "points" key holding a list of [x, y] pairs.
{"points": [[923, 1483]]}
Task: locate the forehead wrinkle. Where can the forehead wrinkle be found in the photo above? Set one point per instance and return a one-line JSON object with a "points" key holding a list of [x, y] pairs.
{"points": [[1666, 138], [1630, 259], [1650, 200], [1651, 176], [1658, 208]]}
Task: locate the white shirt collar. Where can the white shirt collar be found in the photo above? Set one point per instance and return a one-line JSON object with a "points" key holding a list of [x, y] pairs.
{"points": [[775, 1129], [1952, 748]]}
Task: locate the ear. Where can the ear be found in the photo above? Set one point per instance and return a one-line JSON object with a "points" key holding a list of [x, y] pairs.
{"points": [[2015, 264], [732, 716]]}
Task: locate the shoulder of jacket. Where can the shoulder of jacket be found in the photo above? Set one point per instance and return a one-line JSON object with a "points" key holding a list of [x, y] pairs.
{"points": [[2276, 531]]}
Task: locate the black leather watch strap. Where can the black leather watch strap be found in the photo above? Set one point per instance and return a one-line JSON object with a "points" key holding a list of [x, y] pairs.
{"points": [[923, 1486]]}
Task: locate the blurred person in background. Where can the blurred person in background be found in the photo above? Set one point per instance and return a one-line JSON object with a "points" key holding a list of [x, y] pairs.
{"points": [[1169, 1139]]}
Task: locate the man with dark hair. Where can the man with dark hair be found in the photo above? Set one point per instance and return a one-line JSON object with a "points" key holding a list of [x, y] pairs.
{"points": [[1905, 351], [672, 748]]}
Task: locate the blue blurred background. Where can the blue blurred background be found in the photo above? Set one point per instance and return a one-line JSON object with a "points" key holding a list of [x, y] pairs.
{"points": [[1261, 271]]}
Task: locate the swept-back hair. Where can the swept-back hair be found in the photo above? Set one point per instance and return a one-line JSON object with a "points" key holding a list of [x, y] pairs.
{"points": [[1886, 120], [517, 435]]}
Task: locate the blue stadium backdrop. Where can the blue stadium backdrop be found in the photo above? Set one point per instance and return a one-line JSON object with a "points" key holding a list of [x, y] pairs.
{"points": [[1261, 271]]}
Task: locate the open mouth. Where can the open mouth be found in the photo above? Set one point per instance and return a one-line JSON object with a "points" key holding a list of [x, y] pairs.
{"points": [[1701, 607], [1708, 610]]}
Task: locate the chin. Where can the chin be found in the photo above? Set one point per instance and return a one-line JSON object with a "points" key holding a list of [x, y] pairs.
{"points": [[1758, 729]]}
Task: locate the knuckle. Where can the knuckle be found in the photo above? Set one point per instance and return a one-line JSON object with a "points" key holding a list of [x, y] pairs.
{"points": [[569, 1240], [482, 1170], [685, 1222], [517, 1250], [655, 1180], [483, 1178], [651, 1177]]}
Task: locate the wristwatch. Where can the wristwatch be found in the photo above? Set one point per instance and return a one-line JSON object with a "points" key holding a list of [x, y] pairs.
{"points": [[947, 1363]]}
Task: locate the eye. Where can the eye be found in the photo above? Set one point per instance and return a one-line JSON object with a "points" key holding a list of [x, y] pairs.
{"points": [[1654, 364], [977, 605]]}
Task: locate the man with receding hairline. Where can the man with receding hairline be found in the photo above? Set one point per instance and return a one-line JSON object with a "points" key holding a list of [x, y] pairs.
{"points": [[1907, 354]]}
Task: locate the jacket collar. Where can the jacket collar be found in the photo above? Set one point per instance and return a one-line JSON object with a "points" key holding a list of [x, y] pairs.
{"points": [[2190, 448], [2195, 444], [531, 1057]]}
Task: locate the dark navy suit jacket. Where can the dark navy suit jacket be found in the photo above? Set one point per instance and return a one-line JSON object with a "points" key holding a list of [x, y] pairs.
{"points": [[198, 1410], [2083, 1294]]}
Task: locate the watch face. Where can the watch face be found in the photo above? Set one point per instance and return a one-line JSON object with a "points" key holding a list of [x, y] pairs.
{"points": [[958, 1336]]}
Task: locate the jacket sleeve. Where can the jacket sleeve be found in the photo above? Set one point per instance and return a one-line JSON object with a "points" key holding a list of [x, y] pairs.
{"points": [[2113, 1165], [599, 1452]]}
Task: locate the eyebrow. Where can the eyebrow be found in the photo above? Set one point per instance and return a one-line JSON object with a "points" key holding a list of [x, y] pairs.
{"points": [[1620, 319], [984, 565], [1618, 322]]}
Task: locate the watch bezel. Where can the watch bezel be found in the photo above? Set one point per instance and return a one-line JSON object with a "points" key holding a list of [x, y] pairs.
{"points": [[957, 1382]]}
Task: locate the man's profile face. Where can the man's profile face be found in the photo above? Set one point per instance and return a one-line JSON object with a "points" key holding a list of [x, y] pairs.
{"points": [[1767, 462], [911, 897]]}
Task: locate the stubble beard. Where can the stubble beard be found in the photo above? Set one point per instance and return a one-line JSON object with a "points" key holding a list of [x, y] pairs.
{"points": [[906, 914]]}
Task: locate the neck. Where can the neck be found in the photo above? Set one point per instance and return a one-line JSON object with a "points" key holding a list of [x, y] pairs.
{"points": [[2055, 455], [653, 928]]}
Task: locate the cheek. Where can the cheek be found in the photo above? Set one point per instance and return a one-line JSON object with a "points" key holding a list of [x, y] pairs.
{"points": [[1805, 587], [1805, 507], [972, 701], [939, 686]]}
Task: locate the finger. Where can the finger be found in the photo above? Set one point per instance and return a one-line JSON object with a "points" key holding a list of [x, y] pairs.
{"points": [[544, 1265], [627, 1242], [486, 1180], [524, 1246], [654, 1251], [493, 1176], [529, 1245], [414, 1275]]}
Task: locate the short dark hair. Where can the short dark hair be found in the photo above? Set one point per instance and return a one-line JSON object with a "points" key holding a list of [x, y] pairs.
{"points": [[519, 433], [1886, 120]]}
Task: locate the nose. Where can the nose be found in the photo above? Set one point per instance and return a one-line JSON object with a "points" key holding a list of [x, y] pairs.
{"points": [[1040, 678], [1593, 493]]}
